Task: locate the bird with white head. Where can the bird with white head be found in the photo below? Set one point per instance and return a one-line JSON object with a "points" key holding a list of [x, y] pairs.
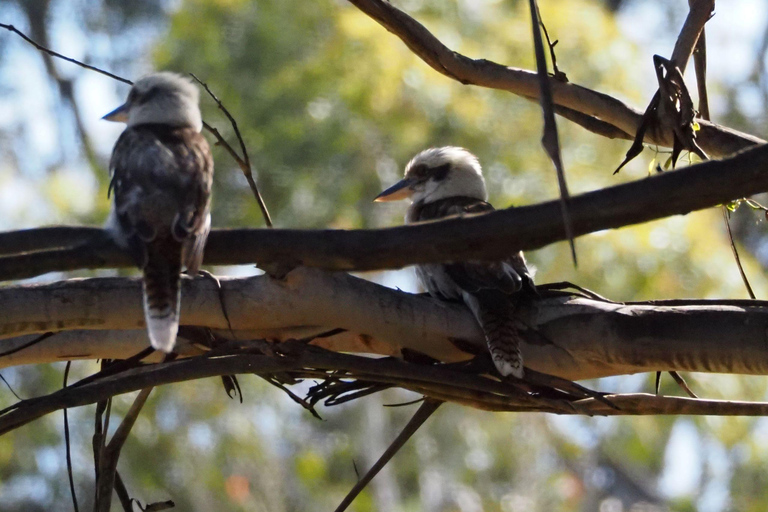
{"points": [[162, 172], [441, 182]]}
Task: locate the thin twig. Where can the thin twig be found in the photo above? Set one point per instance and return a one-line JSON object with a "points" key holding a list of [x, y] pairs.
{"points": [[559, 75], [68, 447], [63, 57], [550, 139], [422, 414], [244, 162], [735, 252], [8, 385], [122, 493], [28, 344], [681, 382], [111, 453]]}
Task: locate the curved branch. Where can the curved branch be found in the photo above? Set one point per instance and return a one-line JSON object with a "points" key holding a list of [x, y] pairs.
{"points": [[574, 337], [473, 390], [489, 236], [716, 140]]}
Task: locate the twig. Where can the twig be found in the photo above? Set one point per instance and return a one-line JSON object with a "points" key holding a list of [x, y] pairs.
{"points": [[63, 57], [21, 347], [8, 385], [735, 252], [111, 453], [681, 382], [243, 162], [422, 414], [559, 75], [68, 448], [699, 13], [549, 139]]}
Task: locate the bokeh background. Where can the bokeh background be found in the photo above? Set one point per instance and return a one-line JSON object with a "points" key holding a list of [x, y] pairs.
{"points": [[331, 107]]}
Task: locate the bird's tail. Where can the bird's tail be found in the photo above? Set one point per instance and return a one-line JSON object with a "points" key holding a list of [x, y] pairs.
{"points": [[501, 334], [162, 277]]}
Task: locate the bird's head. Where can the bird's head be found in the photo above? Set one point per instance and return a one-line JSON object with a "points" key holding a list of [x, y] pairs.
{"points": [[160, 98], [438, 173]]}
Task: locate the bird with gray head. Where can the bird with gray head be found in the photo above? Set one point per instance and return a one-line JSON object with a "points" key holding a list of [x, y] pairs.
{"points": [[162, 171], [446, 181]]}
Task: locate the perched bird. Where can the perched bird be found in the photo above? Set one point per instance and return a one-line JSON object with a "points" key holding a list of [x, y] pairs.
{"points": [[161, 171], [448, 181]]}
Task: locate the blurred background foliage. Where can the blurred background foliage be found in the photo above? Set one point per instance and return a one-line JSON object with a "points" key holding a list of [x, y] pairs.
{"points": [[331, 107]]}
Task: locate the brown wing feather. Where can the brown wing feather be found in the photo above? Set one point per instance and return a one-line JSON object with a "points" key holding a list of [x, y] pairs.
{"points": [[509, 276], [161, 177]]}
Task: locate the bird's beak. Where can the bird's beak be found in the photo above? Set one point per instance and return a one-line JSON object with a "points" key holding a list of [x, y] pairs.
{"points": [[119, 115], [400, 190]]}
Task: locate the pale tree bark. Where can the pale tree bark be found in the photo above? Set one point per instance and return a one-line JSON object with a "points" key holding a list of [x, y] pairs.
{"points": [[571, 336]]}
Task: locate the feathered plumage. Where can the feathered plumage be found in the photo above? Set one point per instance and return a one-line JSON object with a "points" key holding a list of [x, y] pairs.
{"points": [[162, 172], [448, 181]]}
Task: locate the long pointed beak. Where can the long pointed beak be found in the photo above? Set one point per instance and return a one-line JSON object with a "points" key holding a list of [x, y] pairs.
{"points": [[400, 190], [119, 115]]}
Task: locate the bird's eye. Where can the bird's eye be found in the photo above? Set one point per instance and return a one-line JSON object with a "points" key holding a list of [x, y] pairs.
{"points": [[440, 173], [420, 171]]}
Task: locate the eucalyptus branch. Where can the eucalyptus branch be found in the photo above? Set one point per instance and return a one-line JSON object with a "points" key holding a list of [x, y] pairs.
{"points": [[568, 335], [717, 141], [490, 236]]}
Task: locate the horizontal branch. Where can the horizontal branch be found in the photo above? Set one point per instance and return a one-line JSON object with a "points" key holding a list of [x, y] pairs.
{"points": [[578, 338], [435, 381], [489, 236], [716, 140]]}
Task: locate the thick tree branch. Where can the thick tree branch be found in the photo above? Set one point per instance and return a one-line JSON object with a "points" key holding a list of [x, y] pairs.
{"points": [[490, 236], [575, 337], [716, 140]]}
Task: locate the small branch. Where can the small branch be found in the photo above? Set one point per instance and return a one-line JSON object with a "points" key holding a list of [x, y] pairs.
{"points": [[549, 139], [735, 252], [422, 414], [245, 162], [700, 67], [68, 448], [63, 57], [111, 453], [700, 12]]}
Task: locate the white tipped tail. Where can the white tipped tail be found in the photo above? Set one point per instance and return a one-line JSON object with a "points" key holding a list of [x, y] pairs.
{"points": [[498, 323], [162, 299]]}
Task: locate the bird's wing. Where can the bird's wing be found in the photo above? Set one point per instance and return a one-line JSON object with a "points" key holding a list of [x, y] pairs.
{"points": [[508, 276], [161, 179]]}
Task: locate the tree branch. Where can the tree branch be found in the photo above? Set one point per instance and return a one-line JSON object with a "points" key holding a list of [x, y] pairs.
{"points": [[569, 336], [439, 382], [716, 140], [489, 236]]}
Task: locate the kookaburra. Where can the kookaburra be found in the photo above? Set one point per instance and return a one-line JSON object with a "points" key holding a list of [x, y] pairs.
{"points": [[161, 171], [448, 181]]}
